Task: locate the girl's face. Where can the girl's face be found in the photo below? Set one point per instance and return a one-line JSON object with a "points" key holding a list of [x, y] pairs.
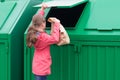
{"points": [[44, 25]]}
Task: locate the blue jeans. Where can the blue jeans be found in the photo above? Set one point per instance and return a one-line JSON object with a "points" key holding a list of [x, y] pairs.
{"points": [[38, 77]]}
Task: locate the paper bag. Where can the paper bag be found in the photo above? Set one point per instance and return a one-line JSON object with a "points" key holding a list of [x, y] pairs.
{"points": [[64, 37]]}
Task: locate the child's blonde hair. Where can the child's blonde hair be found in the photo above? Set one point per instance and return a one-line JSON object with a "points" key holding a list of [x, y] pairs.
{"points": [[31, 37]]}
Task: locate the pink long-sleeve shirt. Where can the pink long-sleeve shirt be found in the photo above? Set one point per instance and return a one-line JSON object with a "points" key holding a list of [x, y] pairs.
{"points": [[42, 58]]}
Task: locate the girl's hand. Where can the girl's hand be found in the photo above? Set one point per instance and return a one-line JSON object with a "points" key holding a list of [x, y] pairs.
{"points": [[44, 6], [53, 19]]}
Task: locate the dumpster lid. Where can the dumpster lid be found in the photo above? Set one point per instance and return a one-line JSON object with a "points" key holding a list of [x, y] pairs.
{"points": [[6, 9], [62, 3], [103, 17], [68, 16]]}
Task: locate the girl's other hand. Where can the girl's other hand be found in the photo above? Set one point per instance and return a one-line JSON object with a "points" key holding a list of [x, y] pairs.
{"points": [[44, 6]]}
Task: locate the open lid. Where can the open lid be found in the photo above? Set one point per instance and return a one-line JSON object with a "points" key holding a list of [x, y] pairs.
{"points": [[62, 3], [68, 16]]}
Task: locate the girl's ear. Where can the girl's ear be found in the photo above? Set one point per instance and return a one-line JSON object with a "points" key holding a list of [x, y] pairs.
{"points": [[42, 25]]}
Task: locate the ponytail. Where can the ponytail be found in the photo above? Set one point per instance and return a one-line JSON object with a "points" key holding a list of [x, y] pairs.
{"points": [[31, 37]]}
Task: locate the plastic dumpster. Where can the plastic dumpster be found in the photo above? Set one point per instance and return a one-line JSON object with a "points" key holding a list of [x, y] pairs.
{"points": [[98, 41], [65, 63], [15, 16], [95, 45]]}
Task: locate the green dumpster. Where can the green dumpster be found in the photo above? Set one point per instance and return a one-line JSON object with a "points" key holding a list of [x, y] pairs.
{"points": [[94, 51], [65, 63], [15, 16], [98, 41]]}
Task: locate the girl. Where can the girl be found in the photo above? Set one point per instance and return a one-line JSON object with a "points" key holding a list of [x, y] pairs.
{"points": [[37, 37]]}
